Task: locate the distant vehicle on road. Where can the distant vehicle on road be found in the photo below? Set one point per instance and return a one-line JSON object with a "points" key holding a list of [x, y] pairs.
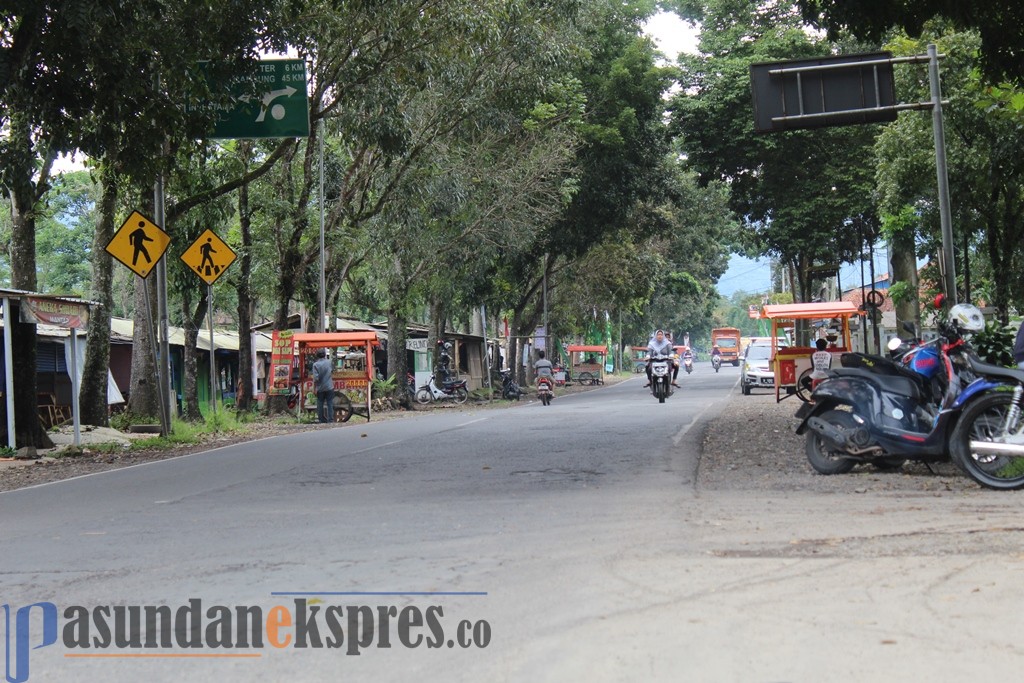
{"points": [[727, 339]]}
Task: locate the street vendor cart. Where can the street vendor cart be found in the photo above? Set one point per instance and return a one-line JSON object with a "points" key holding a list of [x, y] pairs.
{"points": [[640, 355], [351, 353], [792, 364], [587, 368]]}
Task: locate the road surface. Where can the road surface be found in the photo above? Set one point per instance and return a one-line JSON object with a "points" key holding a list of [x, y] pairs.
{"points": [[570, 539]]}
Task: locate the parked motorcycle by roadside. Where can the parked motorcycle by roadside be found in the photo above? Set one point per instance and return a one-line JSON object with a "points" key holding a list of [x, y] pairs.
{"points": [[452, 390], [882, 413], [510, 390]]}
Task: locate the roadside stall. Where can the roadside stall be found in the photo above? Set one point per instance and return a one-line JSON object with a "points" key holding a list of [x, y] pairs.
{"points": [[639, 358], [587, 366], [352, 373], [792, 364]]}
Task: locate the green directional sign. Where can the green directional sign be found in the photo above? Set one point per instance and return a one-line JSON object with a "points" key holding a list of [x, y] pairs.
{"points": [[272, 104]]}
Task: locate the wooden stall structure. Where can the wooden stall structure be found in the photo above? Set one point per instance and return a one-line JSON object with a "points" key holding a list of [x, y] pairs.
{"points": [[586, 367], [349, 352], [790, 363]]}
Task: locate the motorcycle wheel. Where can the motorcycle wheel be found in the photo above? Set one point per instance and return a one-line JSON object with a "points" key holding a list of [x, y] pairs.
{"points": [[461, 394], [660, 393], [423, 395], [983, 420], [823, 460], [545, 399]]}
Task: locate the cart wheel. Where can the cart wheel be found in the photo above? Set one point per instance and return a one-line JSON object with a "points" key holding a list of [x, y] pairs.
{"points": [[585, 378], [803, 386], [342, 408]]}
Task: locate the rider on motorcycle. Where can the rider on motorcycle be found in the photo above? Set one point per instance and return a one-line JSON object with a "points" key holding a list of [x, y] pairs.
{"points": [[542, 369], [658, 346], [715, 351]]}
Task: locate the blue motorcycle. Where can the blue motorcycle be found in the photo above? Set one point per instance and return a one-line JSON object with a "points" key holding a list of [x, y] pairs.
{"points": [[988, 441]]}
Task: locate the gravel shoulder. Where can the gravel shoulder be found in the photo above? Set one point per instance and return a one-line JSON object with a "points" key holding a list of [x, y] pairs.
{"points": [[751, 445]]}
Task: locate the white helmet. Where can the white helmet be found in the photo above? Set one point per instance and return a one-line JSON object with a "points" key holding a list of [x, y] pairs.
{"points": [[967, 317]]}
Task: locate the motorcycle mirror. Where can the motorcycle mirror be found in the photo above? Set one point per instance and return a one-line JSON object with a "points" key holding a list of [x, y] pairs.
{"points": [[894, 343], [938, 301]]}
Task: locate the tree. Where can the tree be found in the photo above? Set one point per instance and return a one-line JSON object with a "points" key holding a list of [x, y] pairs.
{"points": [[74, 77], [805, 196], [986, 176], [999, 23]]}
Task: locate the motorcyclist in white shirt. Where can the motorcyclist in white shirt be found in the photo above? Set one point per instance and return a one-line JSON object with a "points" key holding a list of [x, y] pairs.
{"points": [[658, 346]]}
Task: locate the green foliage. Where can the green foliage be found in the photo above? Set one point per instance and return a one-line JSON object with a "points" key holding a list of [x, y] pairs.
{"points": [[994, 344], [901, 291], [805, 197], [1001, 22], [383, 387]]}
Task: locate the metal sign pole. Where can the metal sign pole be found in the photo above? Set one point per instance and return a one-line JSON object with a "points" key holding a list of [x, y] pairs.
{"points": [[75, 419], [163, 358], [949, 271], [9, 375], [321, 324], [213, 354]]}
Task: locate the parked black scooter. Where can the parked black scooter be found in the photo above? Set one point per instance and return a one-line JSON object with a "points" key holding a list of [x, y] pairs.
{"points": [[865, 414]]}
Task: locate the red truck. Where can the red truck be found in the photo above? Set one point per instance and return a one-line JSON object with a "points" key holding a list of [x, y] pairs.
{"points": [[727, 339]]}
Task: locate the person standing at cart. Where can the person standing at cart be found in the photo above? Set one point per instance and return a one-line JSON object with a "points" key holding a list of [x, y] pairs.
{"points": [[323, 384]]}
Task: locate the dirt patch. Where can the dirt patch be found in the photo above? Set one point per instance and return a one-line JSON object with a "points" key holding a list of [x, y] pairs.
{"points": [[752, 446]]}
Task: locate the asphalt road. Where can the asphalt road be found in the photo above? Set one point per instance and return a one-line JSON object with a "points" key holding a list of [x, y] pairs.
{"points": [[574, 531]]}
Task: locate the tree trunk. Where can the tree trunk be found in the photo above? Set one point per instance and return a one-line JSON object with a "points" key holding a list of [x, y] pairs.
{"points": [[143, 397], [904, 269], [24, 197], [190, 388], [246, 390], [398, 322], [92, 397]]}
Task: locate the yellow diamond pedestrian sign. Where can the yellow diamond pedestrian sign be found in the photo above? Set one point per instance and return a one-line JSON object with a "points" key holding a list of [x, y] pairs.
{"points": [[208, 257], [138, 244]]}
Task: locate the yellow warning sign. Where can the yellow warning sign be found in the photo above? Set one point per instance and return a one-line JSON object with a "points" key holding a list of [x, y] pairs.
{"points": [[138, 244], [209, 256]]}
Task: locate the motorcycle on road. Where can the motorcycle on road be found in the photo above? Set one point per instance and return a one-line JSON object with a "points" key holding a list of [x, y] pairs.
{"points": [[661, 377], [545, 390]]}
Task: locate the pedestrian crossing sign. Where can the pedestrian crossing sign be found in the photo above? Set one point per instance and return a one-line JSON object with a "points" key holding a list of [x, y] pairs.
{"points": [[209, 256], [138, 244]]}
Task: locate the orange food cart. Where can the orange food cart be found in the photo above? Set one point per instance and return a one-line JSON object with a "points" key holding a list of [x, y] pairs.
{"points": [[790, 363], [351, 353], [586, 371], [640, 354]]}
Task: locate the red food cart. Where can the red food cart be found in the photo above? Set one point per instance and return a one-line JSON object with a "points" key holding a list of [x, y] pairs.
{"points": [[352, 356], [791, 363], [588, 369]]}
